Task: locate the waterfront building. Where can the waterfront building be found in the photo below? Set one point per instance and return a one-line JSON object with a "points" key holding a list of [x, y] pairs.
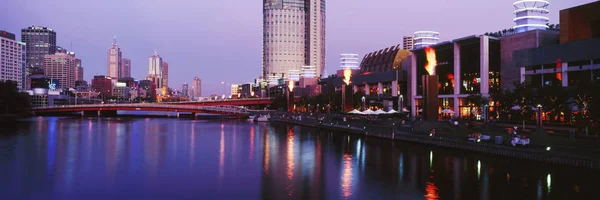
{"points": [[530, 15], [235, 90], [349, 61], [294, 74], [572, 62], [147, 90], [423, 39], [125, 68], [62, 67], [468, 65], [12, 65], [408, 42], [293, 36], [114, 60], [196, 88], [121, 91], [103, 85]]}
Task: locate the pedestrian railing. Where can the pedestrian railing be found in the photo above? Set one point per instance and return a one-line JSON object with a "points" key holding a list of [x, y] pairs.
{"points": [[218, 109]]}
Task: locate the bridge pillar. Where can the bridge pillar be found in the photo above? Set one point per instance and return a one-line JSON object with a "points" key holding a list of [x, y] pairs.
{"points": [[99, 113], [193, 115], [177, 115], [82, 113]]}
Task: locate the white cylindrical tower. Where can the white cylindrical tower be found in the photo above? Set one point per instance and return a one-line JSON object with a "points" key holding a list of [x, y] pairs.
{"points": [[349, 61], [426, 38], [530, 15]]}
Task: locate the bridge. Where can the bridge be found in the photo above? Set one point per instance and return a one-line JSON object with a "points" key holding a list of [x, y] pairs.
{"points": [[230, 102], [100, 108]]}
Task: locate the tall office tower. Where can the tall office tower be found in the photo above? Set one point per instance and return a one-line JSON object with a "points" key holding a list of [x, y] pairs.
{"points": [[197, 87], [349, 61], [408, 43], [78, 70], [293, 36], [61, 67], [155, 69], [530, 15], [125, 68], [40, 41], [114, 61], [185, 90], [11, 67], [235, 90], [165, 74]]}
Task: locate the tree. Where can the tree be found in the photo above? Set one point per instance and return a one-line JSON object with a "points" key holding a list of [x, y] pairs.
{"points": [[13, 102]]}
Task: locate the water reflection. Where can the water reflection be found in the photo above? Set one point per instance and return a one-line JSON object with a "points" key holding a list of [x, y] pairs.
{"points": [[72, 158]]}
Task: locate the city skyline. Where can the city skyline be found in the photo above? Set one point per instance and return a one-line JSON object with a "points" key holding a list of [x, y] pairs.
{"points": [[140, 31]]}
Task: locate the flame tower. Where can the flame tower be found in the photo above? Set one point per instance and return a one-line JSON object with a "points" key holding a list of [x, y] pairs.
{"points": [[530, 15]]}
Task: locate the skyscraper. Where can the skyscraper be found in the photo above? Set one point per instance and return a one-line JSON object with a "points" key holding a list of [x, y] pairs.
{"points": [[114, 61], [61, 66], [39, 41], [78, 70], [293, 36], [165, 74], [125, 68], [155, 69], [196, 87], [12, 59]]}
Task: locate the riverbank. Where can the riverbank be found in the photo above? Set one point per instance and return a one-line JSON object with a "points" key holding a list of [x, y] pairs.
{"points": [[403, 133]]}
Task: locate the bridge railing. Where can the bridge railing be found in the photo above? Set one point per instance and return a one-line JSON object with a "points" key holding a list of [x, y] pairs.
{"points": [[219, 109]]}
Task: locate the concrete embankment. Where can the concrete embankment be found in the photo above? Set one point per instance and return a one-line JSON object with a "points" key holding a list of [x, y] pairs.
{"points": [[400, 133]]}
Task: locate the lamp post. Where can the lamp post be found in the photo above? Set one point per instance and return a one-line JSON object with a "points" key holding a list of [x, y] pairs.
{"points": [[363, 103], [401, 104], [486, 113]]}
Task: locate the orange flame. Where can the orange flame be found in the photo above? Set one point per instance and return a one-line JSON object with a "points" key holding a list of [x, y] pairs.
{"points": [[347, 74], [431, 60], [291, 85]]}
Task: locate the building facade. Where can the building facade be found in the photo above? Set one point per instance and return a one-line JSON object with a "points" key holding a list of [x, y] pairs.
{"points": [[11, 64], [62, 66], [114, 60], [408, 42], [102, 85], [78, 70], [165, 74], [125, 68], [155, 69], [185, 90], [465, 66], [580, 23], [196, 88], [41, 41], [293, 36]]}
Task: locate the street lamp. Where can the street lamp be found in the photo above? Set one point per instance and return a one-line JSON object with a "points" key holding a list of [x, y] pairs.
{"points": [[363, 103], [486, 114], [401, 104]]}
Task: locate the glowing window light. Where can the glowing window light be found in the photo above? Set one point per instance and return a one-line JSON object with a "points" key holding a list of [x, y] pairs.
{"points": [[530, 25], [531, 17]]}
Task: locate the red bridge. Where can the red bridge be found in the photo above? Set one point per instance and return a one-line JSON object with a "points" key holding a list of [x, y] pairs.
{"points": [[230, 102], [222, 110]]}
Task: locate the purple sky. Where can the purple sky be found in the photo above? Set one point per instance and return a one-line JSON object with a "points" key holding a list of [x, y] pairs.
{"points": [[220, 40]]}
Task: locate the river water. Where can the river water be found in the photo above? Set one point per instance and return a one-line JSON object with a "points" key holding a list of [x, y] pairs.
{"points": [[158, 158]]}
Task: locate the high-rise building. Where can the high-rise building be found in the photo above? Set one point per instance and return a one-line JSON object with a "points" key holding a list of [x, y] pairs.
{"points": [[78, 70], [185, 90], [293, 36], [61, 66], [11, 67], [155, 69], [408, 43], [165, 74], [40, 41], [114, 60], [235, 90], [125, 68], [349, 61], [196, 87]]}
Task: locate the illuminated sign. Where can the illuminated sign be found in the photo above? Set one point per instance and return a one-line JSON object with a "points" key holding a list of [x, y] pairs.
{"points": [[53, 84], [121, 84]]}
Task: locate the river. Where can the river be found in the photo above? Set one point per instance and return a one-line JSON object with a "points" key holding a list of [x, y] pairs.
{"points": [[165, 158]]}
